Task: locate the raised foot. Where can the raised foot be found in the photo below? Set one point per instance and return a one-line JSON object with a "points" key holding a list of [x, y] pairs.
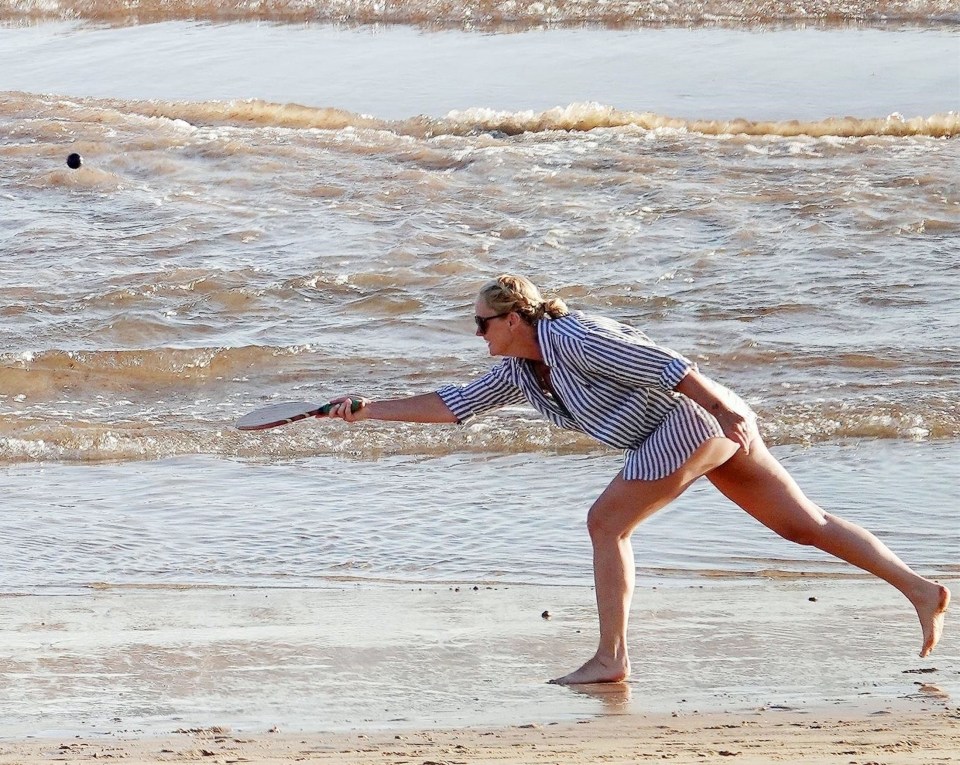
{"points": [[596, 671], [932, 611]]}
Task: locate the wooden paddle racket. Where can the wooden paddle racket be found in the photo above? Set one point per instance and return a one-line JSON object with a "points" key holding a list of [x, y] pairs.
{"points": [[280, 414]]}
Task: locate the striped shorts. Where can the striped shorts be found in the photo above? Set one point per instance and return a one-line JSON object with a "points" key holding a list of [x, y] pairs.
{"points": [[675, 440]]}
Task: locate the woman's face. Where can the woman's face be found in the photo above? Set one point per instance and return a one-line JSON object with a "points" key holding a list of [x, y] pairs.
{"points": [[497, 332]]}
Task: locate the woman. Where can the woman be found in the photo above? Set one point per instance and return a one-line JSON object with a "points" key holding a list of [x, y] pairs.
{"points": [[606, 379]]}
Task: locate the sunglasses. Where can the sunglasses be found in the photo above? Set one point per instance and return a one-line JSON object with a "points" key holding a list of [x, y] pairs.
{"points": [[483, 321]]}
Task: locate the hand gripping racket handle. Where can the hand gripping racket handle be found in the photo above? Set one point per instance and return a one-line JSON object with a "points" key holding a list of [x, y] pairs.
{"points": [[290, 411], [324, 411]]}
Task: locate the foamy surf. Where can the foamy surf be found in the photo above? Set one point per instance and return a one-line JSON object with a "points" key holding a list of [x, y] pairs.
{"points": [[493, 14], [577, 117]]}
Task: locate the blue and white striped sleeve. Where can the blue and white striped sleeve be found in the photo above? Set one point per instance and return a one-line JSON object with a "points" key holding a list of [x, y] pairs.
{"points": [[634, 359], [491, 391]]}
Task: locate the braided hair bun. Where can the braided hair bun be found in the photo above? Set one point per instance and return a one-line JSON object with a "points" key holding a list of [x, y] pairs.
{"points": [[518, 294]]}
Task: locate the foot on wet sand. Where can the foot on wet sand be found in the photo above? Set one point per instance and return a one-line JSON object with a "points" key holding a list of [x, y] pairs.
{"points": [[931, 613], [596, 671]]}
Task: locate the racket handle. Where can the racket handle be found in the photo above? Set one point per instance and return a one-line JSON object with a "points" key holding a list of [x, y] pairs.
{"points": [[324, 410]]}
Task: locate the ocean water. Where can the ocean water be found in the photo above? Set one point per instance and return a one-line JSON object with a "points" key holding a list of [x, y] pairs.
{"points": [[284, 207]]}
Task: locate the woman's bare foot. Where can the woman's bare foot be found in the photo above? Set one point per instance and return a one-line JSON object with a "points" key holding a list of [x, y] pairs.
{"points": [[931, 609], [597, 670]]}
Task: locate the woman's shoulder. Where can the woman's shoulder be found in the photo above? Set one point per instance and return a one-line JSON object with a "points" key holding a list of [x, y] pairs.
{"points": [[578, 336], [569, 327], [579, 325]]}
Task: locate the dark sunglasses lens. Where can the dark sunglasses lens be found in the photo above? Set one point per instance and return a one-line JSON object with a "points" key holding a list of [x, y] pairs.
{"points": [[481, 324]]}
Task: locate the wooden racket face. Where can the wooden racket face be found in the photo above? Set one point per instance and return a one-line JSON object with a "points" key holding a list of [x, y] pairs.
{"points": [[278, 414]]}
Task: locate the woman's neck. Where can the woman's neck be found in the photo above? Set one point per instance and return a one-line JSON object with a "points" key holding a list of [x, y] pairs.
{"points": [[525, 343]]}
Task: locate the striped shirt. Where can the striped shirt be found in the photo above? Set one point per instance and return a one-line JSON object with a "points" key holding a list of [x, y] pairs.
{"points": [[611, 382]]}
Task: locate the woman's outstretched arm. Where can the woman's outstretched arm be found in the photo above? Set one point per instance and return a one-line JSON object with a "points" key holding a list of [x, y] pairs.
{"points": [[426, 407]]}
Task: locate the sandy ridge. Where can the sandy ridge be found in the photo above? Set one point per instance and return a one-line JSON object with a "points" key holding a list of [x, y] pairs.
{"points": [[890, 738]]}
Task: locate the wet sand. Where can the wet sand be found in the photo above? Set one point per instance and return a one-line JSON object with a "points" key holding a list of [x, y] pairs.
{"points": [[380, 660]]}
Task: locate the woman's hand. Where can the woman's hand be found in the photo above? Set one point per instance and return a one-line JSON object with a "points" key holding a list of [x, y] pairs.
{"points": [[345, 408], [739, 429]]}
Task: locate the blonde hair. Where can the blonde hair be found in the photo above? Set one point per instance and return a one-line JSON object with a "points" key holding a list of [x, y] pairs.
{"points": [[509, 293]]}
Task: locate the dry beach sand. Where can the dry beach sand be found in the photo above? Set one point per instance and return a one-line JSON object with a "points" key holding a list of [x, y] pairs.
{"points": [[750, 739]]}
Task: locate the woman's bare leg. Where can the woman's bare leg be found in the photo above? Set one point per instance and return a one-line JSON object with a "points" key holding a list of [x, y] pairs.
{"points": [[760, 485], [617, 512]]}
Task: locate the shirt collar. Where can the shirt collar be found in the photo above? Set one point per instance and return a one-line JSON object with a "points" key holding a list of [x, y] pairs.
{"points": [[545, 341]]}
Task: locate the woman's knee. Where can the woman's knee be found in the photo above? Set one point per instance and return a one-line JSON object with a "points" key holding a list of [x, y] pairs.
{"points": [[603, 525], [624, 505]]}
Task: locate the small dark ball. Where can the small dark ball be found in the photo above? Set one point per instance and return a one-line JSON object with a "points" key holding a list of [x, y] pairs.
{"points": [[74, 161]]}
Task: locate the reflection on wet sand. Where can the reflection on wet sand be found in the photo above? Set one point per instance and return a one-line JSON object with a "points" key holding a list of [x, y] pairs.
{"points": [[615, 697]]}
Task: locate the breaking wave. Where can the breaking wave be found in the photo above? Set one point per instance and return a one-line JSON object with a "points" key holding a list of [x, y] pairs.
{"points": [[577, 117]]}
